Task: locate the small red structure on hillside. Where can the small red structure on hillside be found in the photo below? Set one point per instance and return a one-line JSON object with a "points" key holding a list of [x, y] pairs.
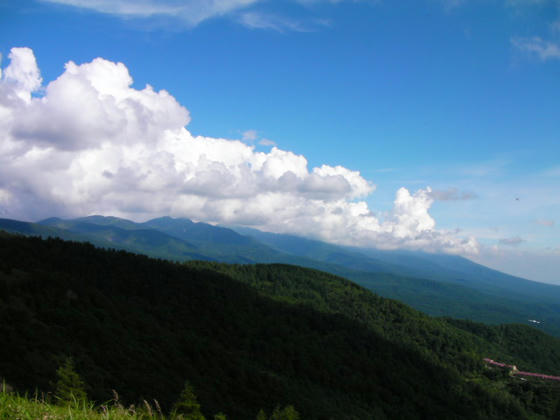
{"points": [[515, 371]]}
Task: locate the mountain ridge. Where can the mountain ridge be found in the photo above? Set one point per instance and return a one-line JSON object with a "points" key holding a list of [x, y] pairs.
{"points": [[463, 298]]}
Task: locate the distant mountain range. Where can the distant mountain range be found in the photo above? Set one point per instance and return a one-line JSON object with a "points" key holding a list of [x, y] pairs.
{"points": [[438, 284]]}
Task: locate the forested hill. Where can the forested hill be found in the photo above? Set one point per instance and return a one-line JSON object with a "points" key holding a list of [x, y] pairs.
{"points": [[439, 285], [248, 337], [443, 339]]}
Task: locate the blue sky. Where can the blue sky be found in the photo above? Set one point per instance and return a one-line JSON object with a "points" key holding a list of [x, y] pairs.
{"points": [[459, 96]]}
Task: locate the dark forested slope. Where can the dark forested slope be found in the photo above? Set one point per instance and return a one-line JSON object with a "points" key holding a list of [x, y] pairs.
{"points": [[440, 285], [246, 337]]}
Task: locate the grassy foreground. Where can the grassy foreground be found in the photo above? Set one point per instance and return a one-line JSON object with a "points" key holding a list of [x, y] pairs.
{"points": [[14, 406], [40, 407]]}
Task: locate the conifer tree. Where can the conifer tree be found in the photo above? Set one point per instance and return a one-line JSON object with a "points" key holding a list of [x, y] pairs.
{"points": [[286, 413], [187, 405], [69, 386]]}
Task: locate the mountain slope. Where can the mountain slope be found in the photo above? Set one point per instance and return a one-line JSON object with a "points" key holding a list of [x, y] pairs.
{"points": [[453, 268], [395, 320], [439, 267], [474, 298], [438, 284], [143, 326], [123, 234], [221, 243]]}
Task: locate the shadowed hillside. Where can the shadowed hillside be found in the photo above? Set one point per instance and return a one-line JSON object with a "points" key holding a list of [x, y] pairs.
{"points": [[144, 326]]}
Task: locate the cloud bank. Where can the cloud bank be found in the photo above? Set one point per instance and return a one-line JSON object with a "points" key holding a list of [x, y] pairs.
{"points": [[89, 143]]}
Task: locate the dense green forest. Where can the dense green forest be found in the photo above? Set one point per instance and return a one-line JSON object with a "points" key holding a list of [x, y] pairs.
{"points": [[251, 337], [440, 339], [436, 284]]}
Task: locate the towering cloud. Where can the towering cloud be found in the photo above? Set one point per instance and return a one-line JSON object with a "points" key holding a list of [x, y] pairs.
{"points": [[90, 143]]}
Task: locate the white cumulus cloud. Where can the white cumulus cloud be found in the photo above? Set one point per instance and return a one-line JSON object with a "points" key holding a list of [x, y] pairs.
{"points": [[90, 143]]}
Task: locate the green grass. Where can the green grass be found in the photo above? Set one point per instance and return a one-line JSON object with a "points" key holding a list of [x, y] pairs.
{"points": [[44, 407]]}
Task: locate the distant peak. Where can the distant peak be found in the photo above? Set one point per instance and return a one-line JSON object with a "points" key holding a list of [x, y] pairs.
{"points": [[99, 216], [169, 220], [49, 220]]}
